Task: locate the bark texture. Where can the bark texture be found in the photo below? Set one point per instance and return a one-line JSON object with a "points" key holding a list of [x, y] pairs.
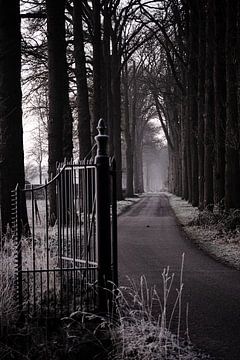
{"points": [[84, 128], [11, 132]]}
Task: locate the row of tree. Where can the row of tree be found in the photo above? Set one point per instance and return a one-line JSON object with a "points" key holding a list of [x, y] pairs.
{"points": [[75, 51], [128, 62], [195, 84], [211, 157]]}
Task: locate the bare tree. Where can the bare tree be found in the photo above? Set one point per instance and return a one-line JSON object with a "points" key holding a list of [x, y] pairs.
{"points": [[84, 131], [60, 118], [11, 140]]}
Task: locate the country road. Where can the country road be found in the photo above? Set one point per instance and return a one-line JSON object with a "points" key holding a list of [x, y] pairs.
{"points": [[151, 239]]}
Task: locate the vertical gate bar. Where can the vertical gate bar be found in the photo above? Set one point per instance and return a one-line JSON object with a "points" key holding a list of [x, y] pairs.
{"points": [[93, 232], [68, 226], [114, 225], [69, 199], [41, 290], [68, 219], [59, 219], [70, 209], [28, 291], [81, 195], [74, 237], [47, 243], [80, 214], [94, 236], [88, 200], [89, 212], [94, 223], [103, 219], [60, 244], [70, 205], [33, 250], [63, 221], [64, 238], [65, 212], [18, 247], [85, 211], [92, 220], [54, 294], [86, 228], [95, 248]]}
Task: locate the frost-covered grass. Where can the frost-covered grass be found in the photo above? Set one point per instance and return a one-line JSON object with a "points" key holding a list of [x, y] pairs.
{"points": [[8, 273], [7, 281], [125, 204], [184, 211], [140, 327], [218, 233], [140, 334], [134, 331]]}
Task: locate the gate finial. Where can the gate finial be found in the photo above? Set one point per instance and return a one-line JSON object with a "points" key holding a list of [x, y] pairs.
{"points": [[101, 140], [101, 127]]}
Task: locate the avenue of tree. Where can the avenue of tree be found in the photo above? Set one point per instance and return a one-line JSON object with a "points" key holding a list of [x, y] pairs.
{"points": [[69, 63]]}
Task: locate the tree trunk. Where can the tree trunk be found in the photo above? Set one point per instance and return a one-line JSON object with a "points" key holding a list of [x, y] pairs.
{"points": [[188, 152], [11, 132], [67, 132], [238, 63], [116, 98], [133, 121], [97, 66], [184, 153], [129, 148], [40, 172], [84, 128], [187, 139], [232, 174], [201, 99], [220, 99], [59, 111], [209, 110], [138, 166], [193, 108], [107, 91]]}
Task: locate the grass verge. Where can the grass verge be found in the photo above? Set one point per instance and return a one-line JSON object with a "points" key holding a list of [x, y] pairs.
{"points": [[217, 233]]}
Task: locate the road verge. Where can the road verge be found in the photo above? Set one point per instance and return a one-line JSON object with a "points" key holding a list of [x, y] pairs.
{"points": [[222, 245]]}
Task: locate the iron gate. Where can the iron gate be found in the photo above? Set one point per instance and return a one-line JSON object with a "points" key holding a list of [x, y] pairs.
{"points": [[67, 266]]}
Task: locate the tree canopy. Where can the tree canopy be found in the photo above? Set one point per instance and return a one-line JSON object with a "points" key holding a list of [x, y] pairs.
{"points": [[127, 61]]}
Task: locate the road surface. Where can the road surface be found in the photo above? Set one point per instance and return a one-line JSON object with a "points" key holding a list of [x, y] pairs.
{"points": [[150, 239]]}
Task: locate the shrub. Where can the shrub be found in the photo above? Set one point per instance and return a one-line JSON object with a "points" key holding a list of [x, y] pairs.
{"points": [[224, 221], [8, 303]]}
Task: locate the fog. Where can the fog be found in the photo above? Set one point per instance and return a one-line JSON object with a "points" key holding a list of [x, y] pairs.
{"points": [[155, 169]]}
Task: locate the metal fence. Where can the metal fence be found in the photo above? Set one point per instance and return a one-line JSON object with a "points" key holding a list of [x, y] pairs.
{"points": [[68, 266]]}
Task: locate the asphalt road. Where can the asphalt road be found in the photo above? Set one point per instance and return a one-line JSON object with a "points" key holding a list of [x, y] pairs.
{"points": [[150, 239]]}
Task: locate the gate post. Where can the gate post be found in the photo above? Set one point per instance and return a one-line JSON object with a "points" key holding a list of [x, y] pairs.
{"points": [[114, 226], [103, 228]]}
